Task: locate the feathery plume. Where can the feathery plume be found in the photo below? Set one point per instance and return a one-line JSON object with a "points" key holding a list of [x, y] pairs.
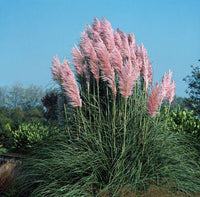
{"points": [[168, 87], [97, 25], [127, 79], [85, 50], [90, 56], [131, 41], [86, 72], [172, 92], [118, 41], [132, 46], [69, 85], [139, 57], [154, 100], [56, 69], [166, 81], [77, 60], [108, 73], [107, 35], [116, 60], [125, 49], [146, 67]]}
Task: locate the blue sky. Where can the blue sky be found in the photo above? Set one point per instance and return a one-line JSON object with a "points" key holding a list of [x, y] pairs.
{"points": [[33, 31]]}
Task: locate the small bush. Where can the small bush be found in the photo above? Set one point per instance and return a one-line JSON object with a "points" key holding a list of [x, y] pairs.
{"points": [[185, 121], [28, 135]]}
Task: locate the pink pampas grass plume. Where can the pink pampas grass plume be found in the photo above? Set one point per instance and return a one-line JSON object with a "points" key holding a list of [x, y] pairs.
{"points": [[172, 92], [146, 67], [132, 46], [154, 100], [93, 61], [118, 41], [139, 57], [124, 48], [86, 72], [97, 25], [107, 35], [132, 41], [116, 60], [77, 60], [90, 56], [166, 81], [168, 87], [69, 85], [127, 79], [108, 73], [56, 69]]}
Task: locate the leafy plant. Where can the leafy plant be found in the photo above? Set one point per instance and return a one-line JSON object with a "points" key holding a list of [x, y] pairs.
{"points": [[183, 120], [193, 90], [28, 135]]}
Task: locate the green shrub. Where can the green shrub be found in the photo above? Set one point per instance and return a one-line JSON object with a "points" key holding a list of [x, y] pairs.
{"points": [[183, 120], [28, 135]]}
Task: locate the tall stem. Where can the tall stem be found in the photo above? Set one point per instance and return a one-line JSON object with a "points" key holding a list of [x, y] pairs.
{"points": [[88, 92], [168, 110], [144, 134], [99, 128], [83, 121], [108, 104], [124, 137], [114, 129], [65, 111]]}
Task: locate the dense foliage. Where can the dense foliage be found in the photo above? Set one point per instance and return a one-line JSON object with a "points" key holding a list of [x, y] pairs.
{"points": [[183, 120], [193, 90], [28, 135]]}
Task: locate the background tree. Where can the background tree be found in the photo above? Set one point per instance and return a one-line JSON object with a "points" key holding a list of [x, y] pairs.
{"points": [[49, 101], [193, 90], [3, 92], [15, 96], [19, 105]]}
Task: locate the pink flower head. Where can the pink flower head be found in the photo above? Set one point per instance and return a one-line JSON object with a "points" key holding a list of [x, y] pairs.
{"points": [[77, 60], [107, 35], [131, 41], [139, 60], [118, 41], [56, 69], [146, 67], [132, 46], [97, 25], [84, 43], [155, 99], [168, 87], [108, 73], [90, 55], [125, 49], [172, 92], [166, 81], [69, 85], [127, 79], [116, 60], [86, 72]]}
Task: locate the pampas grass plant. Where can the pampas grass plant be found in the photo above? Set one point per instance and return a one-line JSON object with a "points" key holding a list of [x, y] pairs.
{"points": [[114, 138]]}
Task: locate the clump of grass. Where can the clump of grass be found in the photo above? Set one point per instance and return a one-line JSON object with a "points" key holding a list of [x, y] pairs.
{"points": [[90, 167]]}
